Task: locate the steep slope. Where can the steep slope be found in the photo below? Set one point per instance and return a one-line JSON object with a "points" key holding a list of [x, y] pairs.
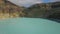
{"points": [[44, 10], [8, 9]]}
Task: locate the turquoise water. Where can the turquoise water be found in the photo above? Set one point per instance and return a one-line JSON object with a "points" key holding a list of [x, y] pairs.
{"points": [[29, 26]]}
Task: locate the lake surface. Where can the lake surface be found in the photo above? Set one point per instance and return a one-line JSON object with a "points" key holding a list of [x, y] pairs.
{"points": [[29, 26]]}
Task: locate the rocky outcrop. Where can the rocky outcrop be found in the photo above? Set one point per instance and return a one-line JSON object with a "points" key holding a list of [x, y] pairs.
{"points": [[41, 10], [44, 10], [8, 9]]}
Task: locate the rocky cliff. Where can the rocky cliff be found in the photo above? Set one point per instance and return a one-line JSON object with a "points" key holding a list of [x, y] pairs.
{"points": [[40, 10], [44, 10], [10, 10]]}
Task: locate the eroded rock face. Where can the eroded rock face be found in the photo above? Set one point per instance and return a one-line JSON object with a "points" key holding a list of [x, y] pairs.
{"points": [[44, 10], [55, 15], [8, 9]]}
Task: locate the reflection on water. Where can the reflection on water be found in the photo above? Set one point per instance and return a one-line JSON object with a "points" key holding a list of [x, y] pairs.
{"points": [[29, 26], [56, 20], [22, 19]]}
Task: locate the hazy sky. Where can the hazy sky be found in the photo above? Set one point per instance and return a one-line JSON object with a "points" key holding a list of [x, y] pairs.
{"points": [[27, 3]]}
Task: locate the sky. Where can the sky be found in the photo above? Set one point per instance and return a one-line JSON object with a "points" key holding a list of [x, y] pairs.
{"points": [[28, 3]]}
